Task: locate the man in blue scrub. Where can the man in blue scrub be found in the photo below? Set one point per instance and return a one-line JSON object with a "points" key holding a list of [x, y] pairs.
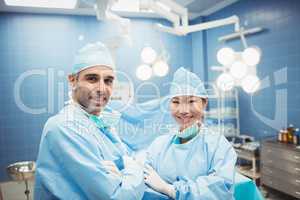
{"points": [[80, 157]]}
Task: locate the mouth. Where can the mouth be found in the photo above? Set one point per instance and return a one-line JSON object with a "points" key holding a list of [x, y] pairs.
{"points": [[185, 119], [99, 100]]}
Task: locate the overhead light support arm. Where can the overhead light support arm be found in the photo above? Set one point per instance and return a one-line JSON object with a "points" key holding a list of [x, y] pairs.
{"points": [[178, 15]]}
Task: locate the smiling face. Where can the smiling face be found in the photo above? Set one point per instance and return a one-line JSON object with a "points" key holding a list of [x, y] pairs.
{"points": [[92, 88], [187, 110]]}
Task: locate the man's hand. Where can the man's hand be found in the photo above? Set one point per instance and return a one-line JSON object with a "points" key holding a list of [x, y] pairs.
{"points": [[153, 180], [111, 167]]}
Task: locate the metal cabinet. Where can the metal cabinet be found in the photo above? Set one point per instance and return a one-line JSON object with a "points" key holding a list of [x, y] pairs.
{"points": [[280, 167]]}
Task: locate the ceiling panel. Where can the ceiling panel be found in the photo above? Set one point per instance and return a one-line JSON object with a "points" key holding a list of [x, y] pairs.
{"points": [[196, 8]]}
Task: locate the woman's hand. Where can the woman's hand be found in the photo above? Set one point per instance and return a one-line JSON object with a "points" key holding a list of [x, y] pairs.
{"points": [[153, 180]]}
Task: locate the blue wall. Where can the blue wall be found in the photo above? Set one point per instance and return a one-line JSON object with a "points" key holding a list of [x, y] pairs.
{"points": [[199, 51], [48, 43], [279, 68]]}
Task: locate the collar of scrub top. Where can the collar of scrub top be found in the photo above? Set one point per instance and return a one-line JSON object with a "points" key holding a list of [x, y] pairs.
{"points": [[105, 129], [176, 140]]}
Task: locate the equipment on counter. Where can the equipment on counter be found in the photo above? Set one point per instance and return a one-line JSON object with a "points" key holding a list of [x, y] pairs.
{"points": [[289, 135]]}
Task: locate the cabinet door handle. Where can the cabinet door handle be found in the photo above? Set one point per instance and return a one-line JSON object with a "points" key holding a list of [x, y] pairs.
{"points": [[297, 181], [297, 169]]}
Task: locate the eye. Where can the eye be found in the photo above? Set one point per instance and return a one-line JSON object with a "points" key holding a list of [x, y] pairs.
{"points": [[192, 101], [92, 79], [108, 81], [175, 102]]}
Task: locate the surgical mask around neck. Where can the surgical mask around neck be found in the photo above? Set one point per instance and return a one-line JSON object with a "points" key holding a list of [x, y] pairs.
{"points": [[110, 118], [189, 132]]}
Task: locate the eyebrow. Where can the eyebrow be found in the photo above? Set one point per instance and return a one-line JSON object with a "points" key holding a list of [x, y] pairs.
{"points": [[90, 75], [96, 75], [110, 77]]}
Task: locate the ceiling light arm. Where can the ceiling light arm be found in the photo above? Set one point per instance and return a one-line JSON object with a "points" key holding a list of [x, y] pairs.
{"points": [[171, 30], [178, 15], [178, 9], [214, 24], [241, 34], [174, 18], [100, 8], [183, 30], [244, 42]]}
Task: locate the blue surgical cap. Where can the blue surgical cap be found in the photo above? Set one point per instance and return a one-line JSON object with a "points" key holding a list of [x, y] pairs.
{"points": [[91, 55], [186, 83]]}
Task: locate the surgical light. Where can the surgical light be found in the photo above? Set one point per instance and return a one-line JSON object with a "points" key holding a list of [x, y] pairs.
{"points": [[225, 56], [250, 83], [148, 55], [160, 68], [144, 72], [251, 56], [225, 82], [238, 69]]}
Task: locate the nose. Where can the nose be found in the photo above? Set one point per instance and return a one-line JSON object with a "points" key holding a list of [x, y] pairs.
{"points": [[101, 86], [183, 110]]}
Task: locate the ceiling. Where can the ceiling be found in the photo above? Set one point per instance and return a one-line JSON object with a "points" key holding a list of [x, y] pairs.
{"points": [[196, 8]]}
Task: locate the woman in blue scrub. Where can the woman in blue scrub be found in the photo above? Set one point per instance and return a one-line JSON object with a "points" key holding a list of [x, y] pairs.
{"points": [[193, 163]]}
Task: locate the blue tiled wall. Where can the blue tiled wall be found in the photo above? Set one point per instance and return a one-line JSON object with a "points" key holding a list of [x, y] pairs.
{"points": [[48, 42], [280, 64], [199, 51]]}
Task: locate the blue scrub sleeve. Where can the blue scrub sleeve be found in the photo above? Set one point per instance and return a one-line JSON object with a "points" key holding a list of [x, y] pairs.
{"points": [[218, 184], [81, 159]]}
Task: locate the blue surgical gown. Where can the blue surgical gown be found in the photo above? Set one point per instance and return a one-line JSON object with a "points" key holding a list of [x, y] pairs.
{"points": [[69, 161], [201, 169]]}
